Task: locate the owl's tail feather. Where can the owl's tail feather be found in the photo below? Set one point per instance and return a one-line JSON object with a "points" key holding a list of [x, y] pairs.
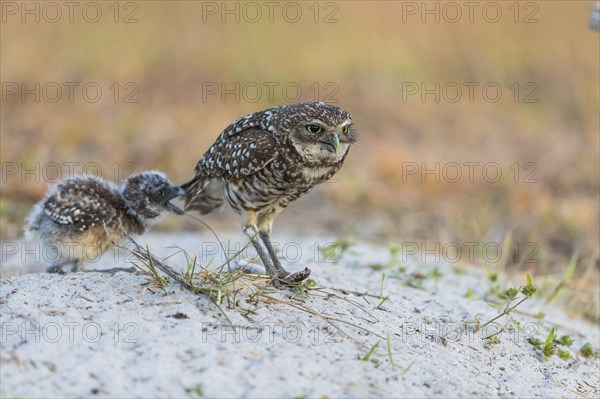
{"points": [[203, 195]]}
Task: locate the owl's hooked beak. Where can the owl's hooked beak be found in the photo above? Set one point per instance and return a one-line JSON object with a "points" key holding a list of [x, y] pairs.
{"points": [[332, 144]]}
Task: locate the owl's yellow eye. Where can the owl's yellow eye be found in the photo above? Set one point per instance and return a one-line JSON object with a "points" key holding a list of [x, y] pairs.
{"points": [[346, 129], [314, 128]]}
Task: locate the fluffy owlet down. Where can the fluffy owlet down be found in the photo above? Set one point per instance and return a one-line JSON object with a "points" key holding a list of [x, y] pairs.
{"points": [[78, 218], [264, 161]]}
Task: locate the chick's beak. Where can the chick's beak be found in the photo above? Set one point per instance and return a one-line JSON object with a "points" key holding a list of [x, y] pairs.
{"points": [[175, 192]]}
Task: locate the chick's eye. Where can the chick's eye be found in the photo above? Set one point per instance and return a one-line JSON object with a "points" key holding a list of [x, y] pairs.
{"points": [[161, 192], [314, 128]]}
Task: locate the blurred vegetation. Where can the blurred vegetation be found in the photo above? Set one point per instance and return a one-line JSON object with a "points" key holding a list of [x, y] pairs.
{"points": [[174, 50]]}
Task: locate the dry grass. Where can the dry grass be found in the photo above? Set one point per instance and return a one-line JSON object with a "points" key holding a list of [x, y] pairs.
{"points": [[369, 54]]}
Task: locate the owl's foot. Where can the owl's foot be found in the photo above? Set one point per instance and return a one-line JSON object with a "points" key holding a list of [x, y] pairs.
{"points": [[272, 270], [58, 267], [296, 277], [55, 268], [270, 260]]}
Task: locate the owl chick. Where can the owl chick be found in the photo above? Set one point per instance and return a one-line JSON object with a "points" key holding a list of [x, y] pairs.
{"points": [[80, 217], [264, 161]]}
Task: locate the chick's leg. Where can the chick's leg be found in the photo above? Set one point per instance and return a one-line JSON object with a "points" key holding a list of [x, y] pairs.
{"points": [[55, 268]]}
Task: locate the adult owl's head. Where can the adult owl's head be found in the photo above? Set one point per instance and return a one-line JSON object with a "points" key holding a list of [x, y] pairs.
{"points": [[148, 194], [321, 133]]}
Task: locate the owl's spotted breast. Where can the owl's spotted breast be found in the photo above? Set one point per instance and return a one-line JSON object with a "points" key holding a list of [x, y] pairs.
{"points": [[277, 184]]}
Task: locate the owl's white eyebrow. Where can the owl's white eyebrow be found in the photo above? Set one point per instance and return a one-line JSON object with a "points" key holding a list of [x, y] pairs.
{"points": [[347, 122]]}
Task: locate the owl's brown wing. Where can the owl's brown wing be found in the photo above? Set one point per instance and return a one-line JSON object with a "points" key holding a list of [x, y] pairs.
{"points": [[239, 154], [81, 203]]}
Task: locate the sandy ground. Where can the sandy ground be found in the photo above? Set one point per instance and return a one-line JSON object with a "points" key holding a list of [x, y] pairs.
{"points": [[94, 334]]}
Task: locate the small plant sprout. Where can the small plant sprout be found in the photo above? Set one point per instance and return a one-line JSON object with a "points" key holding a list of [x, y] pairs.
{"points": [[408, 368], [470, 294], [566, 279], [345, 245], [550, 345], [334, 251], [435, 274], [458, 271], [196, 390], [330, 252], [394, 250], [303, 287], [549, 349], [587, 351], [476, 322], [382, 298], [146, 266], [370, 352], [492, 340], [513, 301], [537, 344], [377, 266], [563, 354], [565, 340], [389, 351], [188, 275], [415, 280], [540, 315], [491, 275]]}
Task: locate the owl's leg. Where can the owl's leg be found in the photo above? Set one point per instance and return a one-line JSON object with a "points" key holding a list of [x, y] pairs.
{"points": [[251, 231], [285, 276], [265, 224], [265, 227], [266, 239], [56, 255]]}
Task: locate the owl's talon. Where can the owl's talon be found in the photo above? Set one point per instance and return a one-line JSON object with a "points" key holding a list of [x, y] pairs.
{"points": [[296, 277]]}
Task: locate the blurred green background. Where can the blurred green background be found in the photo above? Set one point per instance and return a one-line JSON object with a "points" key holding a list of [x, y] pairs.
{"points": [[169, 56]]}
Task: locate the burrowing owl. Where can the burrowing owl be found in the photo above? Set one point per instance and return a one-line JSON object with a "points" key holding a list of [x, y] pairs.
{"points": [[264, 161], [79, 217]]}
